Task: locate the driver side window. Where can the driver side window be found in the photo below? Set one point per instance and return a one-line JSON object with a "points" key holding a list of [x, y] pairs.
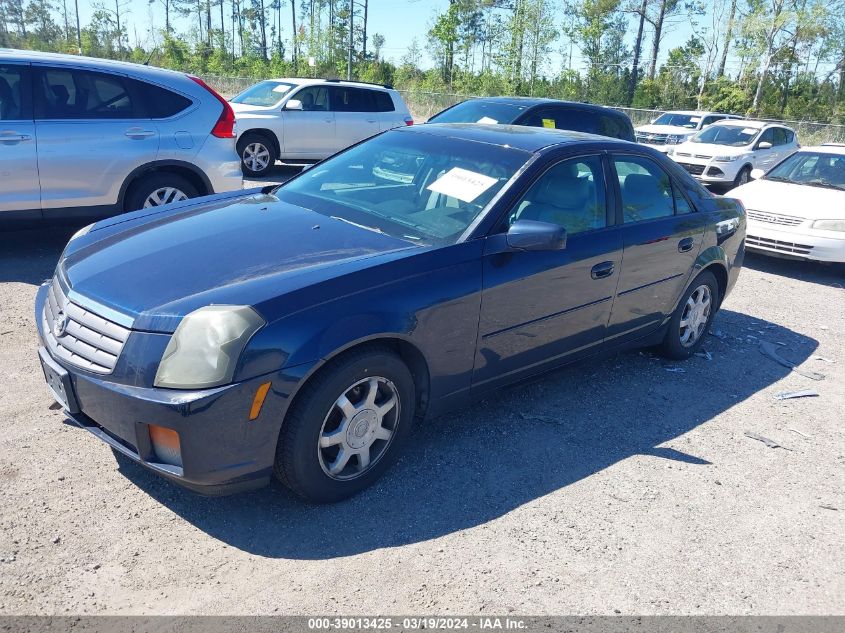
{"points": [[570, 194], [313, 98]]}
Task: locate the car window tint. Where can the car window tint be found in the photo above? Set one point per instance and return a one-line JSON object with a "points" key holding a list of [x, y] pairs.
{"points": [[157, 102], [779, 135], [646, 189], [767, 136], [383, 101], [571, 194], [11, 106], [76, 94], [313, 98], [346, 99], [616, 127], [565, 119]]}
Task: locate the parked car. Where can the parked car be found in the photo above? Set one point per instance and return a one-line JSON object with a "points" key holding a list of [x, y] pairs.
{"points": [[725, 153], [302, 330], [310, 119], [797, 209], [676, 127], [87, 137], [548, 113]]}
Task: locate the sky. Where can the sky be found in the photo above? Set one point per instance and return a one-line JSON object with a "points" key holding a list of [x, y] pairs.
{"points": [[399, 21]]}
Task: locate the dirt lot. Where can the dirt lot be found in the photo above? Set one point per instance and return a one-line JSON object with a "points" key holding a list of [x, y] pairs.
{"points": [[619, 485]]}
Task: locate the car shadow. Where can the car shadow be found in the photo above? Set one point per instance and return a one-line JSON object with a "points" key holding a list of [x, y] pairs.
{"points": [[29, 255], [467, 468], [832, 275]]}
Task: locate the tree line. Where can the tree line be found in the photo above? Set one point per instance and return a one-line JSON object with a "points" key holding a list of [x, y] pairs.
{"points": [[770, 58]]}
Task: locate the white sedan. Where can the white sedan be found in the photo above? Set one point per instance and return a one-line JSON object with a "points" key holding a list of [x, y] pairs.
{"points": [[727, 151], [797, 209]]}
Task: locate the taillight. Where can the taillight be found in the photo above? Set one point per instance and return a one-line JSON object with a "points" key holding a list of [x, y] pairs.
{"points": [[409, 120], [225, 125]]}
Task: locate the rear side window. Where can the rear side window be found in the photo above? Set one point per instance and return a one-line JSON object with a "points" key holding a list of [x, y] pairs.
{"points": [[156, 102], [345, 99], [647, 191], [11, 93], [581, 121], [780, 136], [78, 94], [616, 127], [383, 101]]}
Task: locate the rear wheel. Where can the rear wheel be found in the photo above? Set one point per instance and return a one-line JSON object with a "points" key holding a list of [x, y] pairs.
{"points": [[347, 426], [158, 189], [692, 318], [258, 154]]}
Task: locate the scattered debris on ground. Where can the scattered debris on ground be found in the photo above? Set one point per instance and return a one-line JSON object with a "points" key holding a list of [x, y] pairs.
{"points": [[789, 395]]}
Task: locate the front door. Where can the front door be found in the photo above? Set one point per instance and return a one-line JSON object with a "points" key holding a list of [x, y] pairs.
{"points": [[90, 137], [541, 308], [310, 132], [662, 235], [19, 190]]}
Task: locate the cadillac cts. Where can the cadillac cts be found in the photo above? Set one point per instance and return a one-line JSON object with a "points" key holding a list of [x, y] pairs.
{"points": [[301, 330]]}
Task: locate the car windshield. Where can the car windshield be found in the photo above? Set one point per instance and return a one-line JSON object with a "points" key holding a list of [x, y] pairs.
{"points": [[480, 111], [818, 169], [266, 93], [730, 135], [412, 185], [690, 121]]}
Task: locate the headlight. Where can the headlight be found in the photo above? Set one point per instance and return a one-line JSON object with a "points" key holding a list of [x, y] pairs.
{"points": [[725, 159], [205, 348], [676, 139], [829, 225]]}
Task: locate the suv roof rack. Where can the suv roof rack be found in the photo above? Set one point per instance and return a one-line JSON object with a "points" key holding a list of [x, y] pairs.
{"points": [[355, 81]]}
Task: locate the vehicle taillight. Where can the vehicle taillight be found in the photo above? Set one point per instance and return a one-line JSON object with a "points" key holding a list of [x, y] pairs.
{"points": [[225, 125], [409, 120]]}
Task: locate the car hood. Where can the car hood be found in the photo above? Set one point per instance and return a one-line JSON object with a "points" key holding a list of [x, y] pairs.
{"points": [[243, 108], [710, 149], [800, 201], [159, 267], [665, 129]]}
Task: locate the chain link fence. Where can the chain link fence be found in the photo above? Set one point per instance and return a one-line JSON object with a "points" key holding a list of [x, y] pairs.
{"points": [[424, 105]]}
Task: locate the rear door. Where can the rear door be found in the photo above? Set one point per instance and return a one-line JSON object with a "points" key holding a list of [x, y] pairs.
{"points": [[541, 308], [310, 132], [355, 115], [91, 136], [662, 234], [19, 188]]}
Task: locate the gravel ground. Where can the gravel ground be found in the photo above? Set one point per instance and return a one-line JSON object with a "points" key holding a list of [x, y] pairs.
{"points": [[618, 485]]}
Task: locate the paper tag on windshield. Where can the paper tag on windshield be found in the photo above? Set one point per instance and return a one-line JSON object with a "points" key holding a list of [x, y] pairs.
{"points": [[694, 119], [749, 130], [486, 119], [281, 88], [462, 184]]}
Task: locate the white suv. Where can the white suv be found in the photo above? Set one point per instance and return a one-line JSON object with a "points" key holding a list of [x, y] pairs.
{"points": [[727, 152], [310, 119], [673, 128], [89, 138]]}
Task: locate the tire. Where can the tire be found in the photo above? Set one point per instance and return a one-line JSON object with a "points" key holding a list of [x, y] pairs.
{"points": [[162, 186], [316, 431], [257, 153], [743, 177], [674, 345]]}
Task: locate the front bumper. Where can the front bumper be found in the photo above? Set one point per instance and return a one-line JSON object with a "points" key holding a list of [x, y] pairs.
{"points": [[222, 450], [710, 171], [795, 242]]}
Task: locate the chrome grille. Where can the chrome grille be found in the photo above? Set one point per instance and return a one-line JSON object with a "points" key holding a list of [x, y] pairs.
{"points": [[653, 139], [774, 218], [779, 246], [78, 336]]}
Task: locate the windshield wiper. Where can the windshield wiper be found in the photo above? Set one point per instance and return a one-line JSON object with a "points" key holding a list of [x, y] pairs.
{"points": [[825, 185], [374, 229], [779, 179]]}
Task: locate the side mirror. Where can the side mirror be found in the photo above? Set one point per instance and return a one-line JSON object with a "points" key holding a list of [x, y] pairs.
{"points": [[764, 145], [529, 235], [293, 104], [756, 174]]}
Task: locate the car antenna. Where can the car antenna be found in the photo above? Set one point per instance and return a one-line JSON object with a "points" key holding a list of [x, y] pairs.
{"points": [[150, 56]]}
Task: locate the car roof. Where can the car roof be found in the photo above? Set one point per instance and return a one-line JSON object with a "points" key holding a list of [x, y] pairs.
{"points": [[751, 124], [10, 54], [526, 138], [537, 101], [310, 81], [826, 148], [699, 113]]}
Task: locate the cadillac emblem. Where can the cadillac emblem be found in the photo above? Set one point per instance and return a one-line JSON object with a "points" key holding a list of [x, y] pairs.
{"points": [[60, 325]]}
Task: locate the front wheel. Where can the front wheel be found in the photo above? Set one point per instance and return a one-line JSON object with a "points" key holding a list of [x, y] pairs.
{"points": [[347, 426], [692, 318], [743, 177]]}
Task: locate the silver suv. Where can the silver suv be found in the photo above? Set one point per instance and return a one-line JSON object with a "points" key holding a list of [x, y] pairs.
{"points": [[84, 137]]}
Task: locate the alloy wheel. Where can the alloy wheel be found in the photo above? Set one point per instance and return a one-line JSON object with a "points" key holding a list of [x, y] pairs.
{"points": [[164, 195], [256, 156], [695, 316], [358, 428]]}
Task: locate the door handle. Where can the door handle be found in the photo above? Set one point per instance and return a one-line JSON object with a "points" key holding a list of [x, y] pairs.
{"points": [[14, 137], [371, 121], [602, 270], [138, 133], [685, 245], [329, 120]]}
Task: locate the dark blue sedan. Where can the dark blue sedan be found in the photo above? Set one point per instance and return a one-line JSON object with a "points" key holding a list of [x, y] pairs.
{"points": [[301, 330]]}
